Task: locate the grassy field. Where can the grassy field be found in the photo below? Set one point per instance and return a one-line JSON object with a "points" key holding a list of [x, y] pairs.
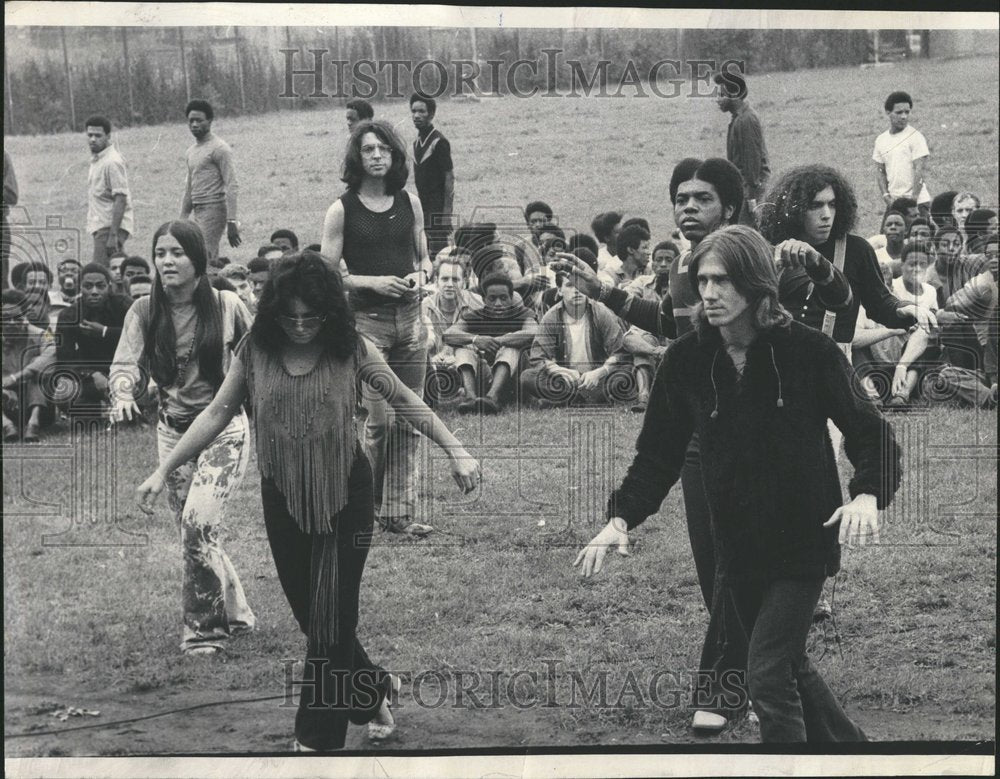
{"points": [[91, 585]]}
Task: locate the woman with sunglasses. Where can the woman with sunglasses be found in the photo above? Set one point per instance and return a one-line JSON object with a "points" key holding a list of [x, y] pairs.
{"points": [[183, 336], [301, 368]]}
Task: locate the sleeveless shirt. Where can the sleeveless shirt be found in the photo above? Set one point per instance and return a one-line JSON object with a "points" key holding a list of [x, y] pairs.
{"points": [[378, 243]]}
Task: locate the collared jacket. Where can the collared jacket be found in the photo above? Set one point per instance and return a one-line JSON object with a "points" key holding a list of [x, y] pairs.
{"points": [[769, 469]]}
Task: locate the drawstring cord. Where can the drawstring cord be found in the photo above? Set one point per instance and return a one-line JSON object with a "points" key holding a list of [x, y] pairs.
{"points": [[715, 389]]}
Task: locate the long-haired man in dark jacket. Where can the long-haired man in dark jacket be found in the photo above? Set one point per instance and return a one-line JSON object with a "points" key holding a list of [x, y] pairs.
{"points": [[758, 389]]}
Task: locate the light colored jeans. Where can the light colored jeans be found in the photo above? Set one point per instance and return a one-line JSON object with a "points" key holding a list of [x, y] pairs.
{"points": [[391, 444], [211, 218], [213, 600]]}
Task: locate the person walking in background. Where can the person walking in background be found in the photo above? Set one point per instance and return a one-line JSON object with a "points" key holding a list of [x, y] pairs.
{"points": [[183, 336], [300, 367], [745, 146], [432, 173], [109, 203], [211, 188]]}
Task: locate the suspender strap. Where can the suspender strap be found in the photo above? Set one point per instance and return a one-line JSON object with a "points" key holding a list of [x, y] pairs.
{"points": [[839, 252]]}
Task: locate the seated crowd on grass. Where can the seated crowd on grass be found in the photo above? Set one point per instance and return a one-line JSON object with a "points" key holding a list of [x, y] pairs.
{"points": [[503, 327]]}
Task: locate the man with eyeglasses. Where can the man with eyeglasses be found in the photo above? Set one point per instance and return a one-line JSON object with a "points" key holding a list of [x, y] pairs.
{"points": [[375, 233], [432, 172]]}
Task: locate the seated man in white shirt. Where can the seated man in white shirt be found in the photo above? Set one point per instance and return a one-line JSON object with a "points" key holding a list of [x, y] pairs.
{"points": [[577, 353]]}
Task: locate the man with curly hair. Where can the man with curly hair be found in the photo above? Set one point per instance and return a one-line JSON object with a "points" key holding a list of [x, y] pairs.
{"points": [[816, 204]]}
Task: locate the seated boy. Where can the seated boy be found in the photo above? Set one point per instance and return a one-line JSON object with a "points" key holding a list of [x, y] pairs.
{"points": [[578, 350], [492, 336], [439, 311]]}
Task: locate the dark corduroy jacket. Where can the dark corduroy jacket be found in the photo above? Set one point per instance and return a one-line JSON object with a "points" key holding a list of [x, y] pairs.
{"points": [[769, 469]]}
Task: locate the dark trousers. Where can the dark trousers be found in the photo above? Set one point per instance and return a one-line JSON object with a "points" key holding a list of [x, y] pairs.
{"points": [[724, 651], [340, 684], [790, 697]]}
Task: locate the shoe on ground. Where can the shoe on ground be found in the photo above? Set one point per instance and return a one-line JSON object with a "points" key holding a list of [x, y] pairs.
{"points": [[405, 526], [823, 611], [384, 724], [708, 722], [752, 717], [202, 650], [897, 403], [31, 433], [469, 406], [10, 434], [489, 406], [639, 407]]}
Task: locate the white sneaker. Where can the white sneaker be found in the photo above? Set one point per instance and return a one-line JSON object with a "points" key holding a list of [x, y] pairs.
{"points": [[708, 721]]}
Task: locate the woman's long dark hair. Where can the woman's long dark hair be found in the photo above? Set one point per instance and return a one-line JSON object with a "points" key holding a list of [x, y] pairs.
{"points": [[354, 169], [307, 276], [160, 349]]}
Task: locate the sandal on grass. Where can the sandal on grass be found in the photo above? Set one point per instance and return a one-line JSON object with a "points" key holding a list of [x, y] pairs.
{"points": [[384, 724]]}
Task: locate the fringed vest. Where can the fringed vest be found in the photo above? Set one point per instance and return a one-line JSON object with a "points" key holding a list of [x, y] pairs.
{"points": [[306, 434]]}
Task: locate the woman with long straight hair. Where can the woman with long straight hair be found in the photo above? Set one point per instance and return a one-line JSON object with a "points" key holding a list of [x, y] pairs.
{"points": [[183, 336], [301, 367]]}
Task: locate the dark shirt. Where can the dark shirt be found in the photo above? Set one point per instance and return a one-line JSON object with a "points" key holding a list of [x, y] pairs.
{"points": [[868, 289], [485, 321], [378, 243], [431, 161], [773, 472], [745, 148], [82, 351]]}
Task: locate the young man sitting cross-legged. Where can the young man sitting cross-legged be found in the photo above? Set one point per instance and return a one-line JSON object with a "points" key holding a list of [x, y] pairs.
{"points": [[578, 346], [495, 334]]}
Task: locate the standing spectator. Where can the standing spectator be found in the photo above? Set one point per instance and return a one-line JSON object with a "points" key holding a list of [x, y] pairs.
{"points": [[745, 146], [87, 334], [432, 173], [211, 188], [9, 199], [27, 351], [285, 240], [900, 154], [184, 335], [358, 110], [109, 203], [374, 232]]}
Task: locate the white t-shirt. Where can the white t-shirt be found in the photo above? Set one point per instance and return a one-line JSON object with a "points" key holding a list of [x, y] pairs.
{"points": [[897, 151], [927, 297], [578, 353]]}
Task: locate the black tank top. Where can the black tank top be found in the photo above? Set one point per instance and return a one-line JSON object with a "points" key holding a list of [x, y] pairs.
{"points": [[378, 243]]}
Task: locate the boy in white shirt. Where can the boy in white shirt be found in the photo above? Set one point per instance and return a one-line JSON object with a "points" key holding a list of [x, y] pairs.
{"points": [[900, 153]]}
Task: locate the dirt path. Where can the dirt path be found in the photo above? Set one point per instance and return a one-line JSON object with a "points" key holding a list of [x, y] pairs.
{"points": [[266, 726]]}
